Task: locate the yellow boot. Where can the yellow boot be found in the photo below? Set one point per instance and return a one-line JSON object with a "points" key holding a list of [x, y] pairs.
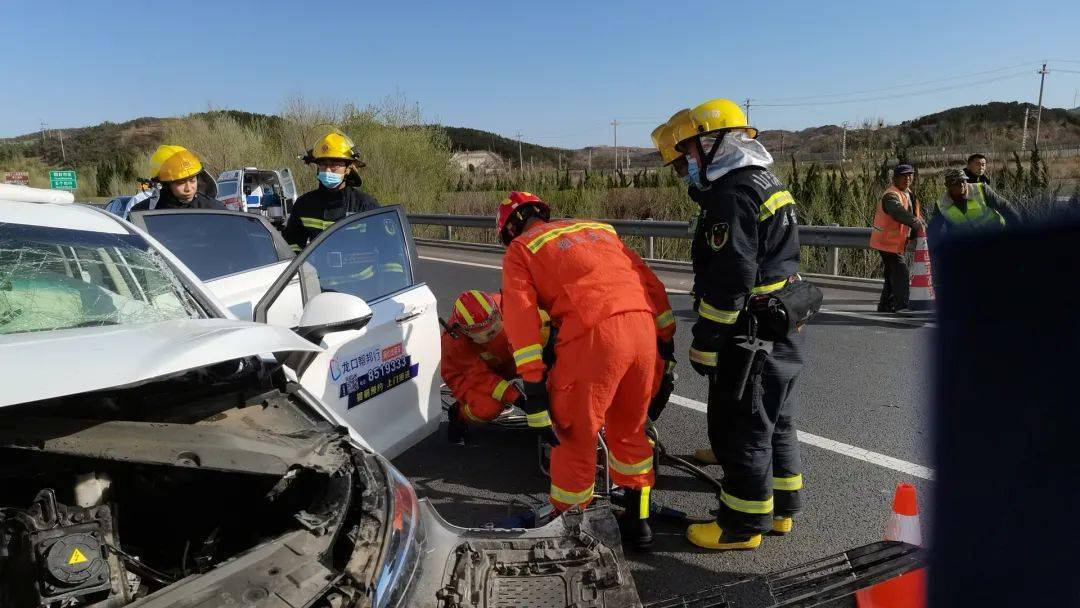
{"points": [[705, 456], [782, 525], [711, 536]]}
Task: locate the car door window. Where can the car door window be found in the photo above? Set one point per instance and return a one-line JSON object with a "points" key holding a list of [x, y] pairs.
{"points": [[367, 255], [368, 258], [215, 244]]}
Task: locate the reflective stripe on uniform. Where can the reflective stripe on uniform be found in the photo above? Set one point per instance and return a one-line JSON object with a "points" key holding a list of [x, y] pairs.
{"points": [[775, 202], [295, 248], [535, 244], [755, 507], [392, 267], [500, 390], [643, 506], [539, 419], [316, 223], [769, 287], [665, 319], [366, 273], [530, 353], [787, 484], [571, 498], [702, 357], [710, 312], [637, 468], [468, 413]]}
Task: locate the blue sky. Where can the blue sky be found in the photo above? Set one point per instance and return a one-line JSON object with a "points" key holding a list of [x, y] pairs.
{"points": [[559, 72]]}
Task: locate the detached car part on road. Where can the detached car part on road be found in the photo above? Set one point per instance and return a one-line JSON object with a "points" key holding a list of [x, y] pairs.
{"points": [[155, 453]]}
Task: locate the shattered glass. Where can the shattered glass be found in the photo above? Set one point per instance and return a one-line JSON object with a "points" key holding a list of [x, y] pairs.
{"points": [[57, 278]]}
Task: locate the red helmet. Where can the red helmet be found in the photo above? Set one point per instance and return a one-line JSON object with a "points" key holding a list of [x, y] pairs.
{"points": [[474, 311], [507, 227]]}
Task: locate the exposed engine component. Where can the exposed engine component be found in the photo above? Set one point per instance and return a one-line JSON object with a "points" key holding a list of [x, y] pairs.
{"points": [[51, 552]]}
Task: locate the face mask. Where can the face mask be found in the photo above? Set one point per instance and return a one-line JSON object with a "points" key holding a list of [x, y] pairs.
{"points": [[692, 172], [329, 178]]}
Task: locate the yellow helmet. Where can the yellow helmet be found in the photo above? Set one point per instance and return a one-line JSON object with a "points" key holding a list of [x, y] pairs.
{"points": [[171, 163], [720, 115], [661, 138], [682, 127], [334, 145]]}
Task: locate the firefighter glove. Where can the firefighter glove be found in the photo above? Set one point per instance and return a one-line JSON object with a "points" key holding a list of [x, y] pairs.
{"points": [[536, 405], [667, 386]]}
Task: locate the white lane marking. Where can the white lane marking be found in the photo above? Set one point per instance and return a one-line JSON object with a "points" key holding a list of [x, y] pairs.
{"points": [[903, 466], [462, 262]]}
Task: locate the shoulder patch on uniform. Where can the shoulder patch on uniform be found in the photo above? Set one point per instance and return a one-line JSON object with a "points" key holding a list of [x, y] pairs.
{"points": [[718, 235]]}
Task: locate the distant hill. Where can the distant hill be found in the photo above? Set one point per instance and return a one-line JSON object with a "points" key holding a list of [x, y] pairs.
{"points": [[991, 126]]}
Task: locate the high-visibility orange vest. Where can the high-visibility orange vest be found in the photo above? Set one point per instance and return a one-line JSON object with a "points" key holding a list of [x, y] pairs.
{"points": [[889, 234]]}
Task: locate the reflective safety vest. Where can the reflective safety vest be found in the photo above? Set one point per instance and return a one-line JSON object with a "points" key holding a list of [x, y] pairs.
{"points": [[977, 213], [889, 234]]}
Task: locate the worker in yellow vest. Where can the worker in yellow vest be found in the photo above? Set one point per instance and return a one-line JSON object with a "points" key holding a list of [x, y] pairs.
{"points": [[897, 220]]}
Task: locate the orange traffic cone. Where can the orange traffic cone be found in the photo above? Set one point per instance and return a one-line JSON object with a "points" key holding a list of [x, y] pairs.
{"points": [[922, 286], [907, 590]]}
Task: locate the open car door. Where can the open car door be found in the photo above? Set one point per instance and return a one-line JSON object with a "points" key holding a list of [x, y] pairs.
{"points": [[381, 378]]}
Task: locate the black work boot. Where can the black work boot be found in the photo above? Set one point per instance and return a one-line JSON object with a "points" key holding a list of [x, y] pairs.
{"points": [[634, 521], [457, 430]]}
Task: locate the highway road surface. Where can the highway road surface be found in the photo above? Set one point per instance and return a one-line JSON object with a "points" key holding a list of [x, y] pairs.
{"points": [[864, 424]]}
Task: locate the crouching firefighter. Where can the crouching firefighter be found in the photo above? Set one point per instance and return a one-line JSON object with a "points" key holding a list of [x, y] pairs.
{"points": [[477, 363], [612, 312], [745, 255]]}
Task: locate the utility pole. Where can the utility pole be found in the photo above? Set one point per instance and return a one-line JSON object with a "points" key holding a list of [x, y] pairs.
{"points": [[521, 159], [1023, 142], [843, 144], [615, 126], [746, 104], [590, 158], [781, 143], [43, 137], [63, 155], [1038, 116], [560, 162], [1075, 95]]}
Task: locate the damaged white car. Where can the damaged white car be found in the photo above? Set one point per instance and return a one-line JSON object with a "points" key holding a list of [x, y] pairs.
{"points": [[155, 453]]}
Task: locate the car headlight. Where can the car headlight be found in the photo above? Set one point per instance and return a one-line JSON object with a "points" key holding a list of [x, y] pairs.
{"points": [[404, 538]]}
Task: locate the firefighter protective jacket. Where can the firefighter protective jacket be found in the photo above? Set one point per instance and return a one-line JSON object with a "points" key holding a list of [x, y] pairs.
{"points": [[746, 242], [315, 211], [581, 273]]}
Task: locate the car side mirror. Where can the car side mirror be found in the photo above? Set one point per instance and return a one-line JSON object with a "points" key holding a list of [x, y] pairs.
{"points": [[331, 311]]}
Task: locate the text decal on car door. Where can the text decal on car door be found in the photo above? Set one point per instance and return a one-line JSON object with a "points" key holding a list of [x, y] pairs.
{"points": [[385, 369]]}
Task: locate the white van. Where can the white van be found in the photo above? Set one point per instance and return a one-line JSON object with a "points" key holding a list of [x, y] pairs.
{"points": [[268, 192]]}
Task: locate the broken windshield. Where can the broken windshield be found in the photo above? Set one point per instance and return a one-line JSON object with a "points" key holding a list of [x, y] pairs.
{"points": [[57, 278]]}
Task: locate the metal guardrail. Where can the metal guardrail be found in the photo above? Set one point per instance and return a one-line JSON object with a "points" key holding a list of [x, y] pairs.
{"points": [[831, 237]]}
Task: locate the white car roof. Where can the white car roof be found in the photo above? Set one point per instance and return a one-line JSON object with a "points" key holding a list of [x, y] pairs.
{"points": [[58, 215]]}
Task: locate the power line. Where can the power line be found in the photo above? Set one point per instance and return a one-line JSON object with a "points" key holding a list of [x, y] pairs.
{"points": [[902, 86], [883, 97]]}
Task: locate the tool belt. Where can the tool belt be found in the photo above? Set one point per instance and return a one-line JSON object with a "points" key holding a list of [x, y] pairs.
{"points": [[783, 312]]}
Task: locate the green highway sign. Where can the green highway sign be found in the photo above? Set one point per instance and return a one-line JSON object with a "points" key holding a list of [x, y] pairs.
{"points": [[63, 180]]}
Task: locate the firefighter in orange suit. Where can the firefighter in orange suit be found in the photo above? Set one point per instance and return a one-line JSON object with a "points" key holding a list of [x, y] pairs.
{"points": [[477, 363], [613, 315]]}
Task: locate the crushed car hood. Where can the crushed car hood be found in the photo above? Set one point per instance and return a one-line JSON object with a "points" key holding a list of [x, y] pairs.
{"points": [[44, 365]]}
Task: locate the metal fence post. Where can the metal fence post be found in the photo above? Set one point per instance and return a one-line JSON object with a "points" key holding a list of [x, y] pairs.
{"points": [[651, 243], [832, 256], [449, 233]]}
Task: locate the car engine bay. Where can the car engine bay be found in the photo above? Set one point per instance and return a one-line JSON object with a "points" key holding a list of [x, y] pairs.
{"points": [[113, 498]]}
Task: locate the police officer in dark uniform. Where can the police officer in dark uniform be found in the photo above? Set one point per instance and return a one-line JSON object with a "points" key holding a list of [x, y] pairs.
{"points": [[745, 243], [184, 183], [337, 195]]}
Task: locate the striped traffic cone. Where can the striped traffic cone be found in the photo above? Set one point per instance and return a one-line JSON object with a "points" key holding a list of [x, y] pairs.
{"points": [[909, 589], [921, 296]]}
